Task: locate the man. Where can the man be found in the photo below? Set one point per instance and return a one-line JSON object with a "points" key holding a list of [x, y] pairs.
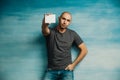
{"points": [[59, 41]]}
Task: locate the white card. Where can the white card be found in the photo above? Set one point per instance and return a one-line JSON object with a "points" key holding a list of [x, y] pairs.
{"points": [[50, 18]]}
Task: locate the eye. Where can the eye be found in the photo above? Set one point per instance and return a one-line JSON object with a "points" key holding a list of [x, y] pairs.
{"points": [[68, 20], [63, 18]]}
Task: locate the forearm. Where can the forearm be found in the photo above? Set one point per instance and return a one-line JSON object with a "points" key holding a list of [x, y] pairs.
{"points": [[45, 28], [76, 61], [82, 54], [80, 57]]}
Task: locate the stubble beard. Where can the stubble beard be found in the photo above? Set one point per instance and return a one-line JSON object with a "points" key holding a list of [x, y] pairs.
{"points": [[62, 27]]}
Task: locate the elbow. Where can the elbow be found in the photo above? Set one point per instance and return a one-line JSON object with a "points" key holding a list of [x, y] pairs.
{"points": [[85, 51]]}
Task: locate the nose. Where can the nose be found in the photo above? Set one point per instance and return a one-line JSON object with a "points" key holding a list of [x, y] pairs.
{"points": [[65, 21]]}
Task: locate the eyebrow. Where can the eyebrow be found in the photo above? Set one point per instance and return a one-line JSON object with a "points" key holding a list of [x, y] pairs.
{"points": [[66, 19]]}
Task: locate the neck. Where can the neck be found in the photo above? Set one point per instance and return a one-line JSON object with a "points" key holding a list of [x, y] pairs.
{"points": [[61, 30]]}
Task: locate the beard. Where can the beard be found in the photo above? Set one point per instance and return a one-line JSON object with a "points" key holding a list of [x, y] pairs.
{"points": [[63, 27]]}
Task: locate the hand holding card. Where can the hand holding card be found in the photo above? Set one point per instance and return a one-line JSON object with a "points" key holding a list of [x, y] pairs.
{"points": [[50, 18]]}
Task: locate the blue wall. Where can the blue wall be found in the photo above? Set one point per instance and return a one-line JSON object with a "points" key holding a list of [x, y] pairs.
{"points": [[22, 46]]}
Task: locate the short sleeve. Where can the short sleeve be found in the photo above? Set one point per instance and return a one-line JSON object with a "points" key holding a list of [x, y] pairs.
{"points": [[77, 39]]}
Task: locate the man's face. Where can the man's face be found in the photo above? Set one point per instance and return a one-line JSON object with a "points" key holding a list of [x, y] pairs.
{"points": [[65, 20]]}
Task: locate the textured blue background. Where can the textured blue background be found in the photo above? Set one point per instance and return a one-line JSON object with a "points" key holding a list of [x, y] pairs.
{"points": [[22, 46]]}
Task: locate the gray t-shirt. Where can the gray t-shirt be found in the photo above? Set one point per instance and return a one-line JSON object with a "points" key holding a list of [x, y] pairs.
{"points": [[59, 47]]}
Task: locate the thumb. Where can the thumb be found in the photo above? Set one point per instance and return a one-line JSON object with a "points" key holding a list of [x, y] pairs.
{"points": [[67, 68]]}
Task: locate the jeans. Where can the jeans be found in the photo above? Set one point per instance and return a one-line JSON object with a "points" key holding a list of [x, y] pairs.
{"points": [[59, 75]]}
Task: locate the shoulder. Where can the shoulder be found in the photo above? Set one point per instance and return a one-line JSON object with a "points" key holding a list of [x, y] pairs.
{"points": [[72, 32]]}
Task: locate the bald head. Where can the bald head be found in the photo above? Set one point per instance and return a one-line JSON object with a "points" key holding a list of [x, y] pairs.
{"points": [[64, 20], [66, 13]]}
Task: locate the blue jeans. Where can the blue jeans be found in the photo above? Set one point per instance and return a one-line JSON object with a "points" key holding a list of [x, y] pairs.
{"points": [[58, 75]]}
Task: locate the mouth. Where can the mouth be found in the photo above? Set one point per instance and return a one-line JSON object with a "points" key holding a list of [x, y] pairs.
{"points": [[63, 25]]}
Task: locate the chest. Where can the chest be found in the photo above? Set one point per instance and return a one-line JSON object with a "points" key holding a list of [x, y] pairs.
{"points": [[63, 39]]}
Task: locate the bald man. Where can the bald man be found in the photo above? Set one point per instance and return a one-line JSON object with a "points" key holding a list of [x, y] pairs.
{"points": [[59, 42]]}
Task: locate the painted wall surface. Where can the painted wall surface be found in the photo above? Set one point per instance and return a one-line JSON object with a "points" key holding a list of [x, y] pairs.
{"points": [[22, 45]]}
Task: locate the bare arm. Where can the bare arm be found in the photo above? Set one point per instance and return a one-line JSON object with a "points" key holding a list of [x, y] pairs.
{"points": [[45, 28], [79, 58]]}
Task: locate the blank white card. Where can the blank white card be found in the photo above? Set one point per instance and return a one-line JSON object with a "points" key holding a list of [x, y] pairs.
{"points": [[50, 18]]}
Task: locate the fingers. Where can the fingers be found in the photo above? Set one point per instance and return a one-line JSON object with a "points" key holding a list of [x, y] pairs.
{"points": [[43, 22], [69, 67]]}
